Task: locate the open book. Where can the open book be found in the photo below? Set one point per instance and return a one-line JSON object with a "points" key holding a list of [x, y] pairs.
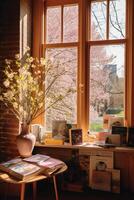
{"points": [[33, 165], [48, 164], [37, 158], [20, 169]]}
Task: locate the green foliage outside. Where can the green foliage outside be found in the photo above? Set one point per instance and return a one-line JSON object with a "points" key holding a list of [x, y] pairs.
{"points": [[96, 127]]}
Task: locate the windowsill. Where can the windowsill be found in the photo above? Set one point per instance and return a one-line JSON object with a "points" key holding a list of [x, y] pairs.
{"points": [[86, 147]]}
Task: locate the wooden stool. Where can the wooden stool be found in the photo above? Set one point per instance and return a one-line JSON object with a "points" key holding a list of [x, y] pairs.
{"points": [[7, 178]]}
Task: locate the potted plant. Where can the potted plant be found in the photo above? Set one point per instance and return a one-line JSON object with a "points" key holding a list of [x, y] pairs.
{"points": [[26, 89]]}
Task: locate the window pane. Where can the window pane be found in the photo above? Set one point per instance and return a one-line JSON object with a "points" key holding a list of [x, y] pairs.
{"points": [[53, 26], [70, 24], [117, 19], [98, 20], [61, 81], [106, 84]]}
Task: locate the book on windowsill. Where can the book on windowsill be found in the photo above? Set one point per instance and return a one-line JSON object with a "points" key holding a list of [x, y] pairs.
{"points": [[20, 169], [47, 163]]}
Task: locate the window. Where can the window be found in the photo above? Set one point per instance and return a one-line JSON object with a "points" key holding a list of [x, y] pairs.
{"points": [[61, 47], [107, 61], [96, 73]]}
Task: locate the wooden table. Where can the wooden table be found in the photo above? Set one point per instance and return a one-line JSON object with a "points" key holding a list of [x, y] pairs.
{"points": [[7, 178]]}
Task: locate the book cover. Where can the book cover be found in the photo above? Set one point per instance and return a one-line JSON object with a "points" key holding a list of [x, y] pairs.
{"points": [[37, 158], [33, 165], [101, 180], [51, 165], [46, 163], [100, 161], [21, 170], [5, 166]]}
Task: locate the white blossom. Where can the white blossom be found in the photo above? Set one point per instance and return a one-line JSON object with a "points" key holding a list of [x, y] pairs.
{"points": [[6, 83], [43, 61], [17, 56]]}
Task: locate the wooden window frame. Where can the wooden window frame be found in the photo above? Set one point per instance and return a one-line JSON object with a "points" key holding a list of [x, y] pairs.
{"points": [[107, 41], [62, 44], [83, 68]]}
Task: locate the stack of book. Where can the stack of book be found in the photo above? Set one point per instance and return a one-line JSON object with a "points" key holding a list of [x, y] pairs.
{"points": [[28, 167]]}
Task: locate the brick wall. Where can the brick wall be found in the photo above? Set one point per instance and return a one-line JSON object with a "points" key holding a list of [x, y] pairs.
{"points": [[10, 40]]}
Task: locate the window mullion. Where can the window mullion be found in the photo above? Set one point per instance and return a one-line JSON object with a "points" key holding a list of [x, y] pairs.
{"points": [[83, 100], [62, 24], [107, 20]]}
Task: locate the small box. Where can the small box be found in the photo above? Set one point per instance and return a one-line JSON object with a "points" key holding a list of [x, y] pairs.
{"points": [[113, 139], [53, 141], [122, 131]]}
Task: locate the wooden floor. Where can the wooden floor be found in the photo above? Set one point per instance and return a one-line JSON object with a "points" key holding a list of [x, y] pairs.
{"points": [[92, 195], [47, 193], [79, 196]]}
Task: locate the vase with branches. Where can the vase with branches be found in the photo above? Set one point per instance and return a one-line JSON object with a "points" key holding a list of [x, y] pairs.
{"points": [[26, 89]]}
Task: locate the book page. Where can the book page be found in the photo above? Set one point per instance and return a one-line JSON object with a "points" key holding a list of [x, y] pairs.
{"points": [[37, 158]]}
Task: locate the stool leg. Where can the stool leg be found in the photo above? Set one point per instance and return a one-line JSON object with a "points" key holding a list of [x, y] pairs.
{"points": [[55, 187], [6, 190], [22, 192], [34, 190]]}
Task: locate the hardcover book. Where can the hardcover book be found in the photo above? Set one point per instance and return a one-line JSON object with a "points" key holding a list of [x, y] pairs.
{"points": [[20, 170], [33, 165], [51, 165], [37, 158], [48, 165], [5, 166]]}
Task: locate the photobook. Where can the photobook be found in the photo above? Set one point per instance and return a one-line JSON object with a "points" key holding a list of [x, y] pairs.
{"points": [[28, 167], [20, 169]]}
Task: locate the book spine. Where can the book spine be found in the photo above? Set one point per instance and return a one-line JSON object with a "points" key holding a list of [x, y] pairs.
{"points": [[15, 174]]}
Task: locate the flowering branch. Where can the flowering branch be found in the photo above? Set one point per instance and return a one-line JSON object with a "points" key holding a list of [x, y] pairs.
{"points": [[27, 87]]}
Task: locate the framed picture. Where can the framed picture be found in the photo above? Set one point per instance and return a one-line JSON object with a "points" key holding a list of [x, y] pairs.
{"points": [[102, 163], [75, 136], [59, 129], [115, 121], [101, 180]]}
